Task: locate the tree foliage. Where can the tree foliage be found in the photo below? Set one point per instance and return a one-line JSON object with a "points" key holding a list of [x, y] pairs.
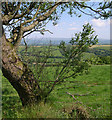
{"points": [[71, 65], [21, 19]]}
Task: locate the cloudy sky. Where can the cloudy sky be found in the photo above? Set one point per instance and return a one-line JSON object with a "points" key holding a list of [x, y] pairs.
{"points": [[67, 26]]}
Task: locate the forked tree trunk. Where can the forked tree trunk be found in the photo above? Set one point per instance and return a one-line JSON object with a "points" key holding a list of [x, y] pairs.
{"points": [[18, 74]]}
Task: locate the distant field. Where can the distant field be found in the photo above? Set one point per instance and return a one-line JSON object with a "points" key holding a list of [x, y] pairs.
{"points": [[94, 46], [101, 46], [96, 50]]}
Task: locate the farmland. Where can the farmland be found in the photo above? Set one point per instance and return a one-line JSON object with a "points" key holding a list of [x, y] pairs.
{"points": [[91, 90]]}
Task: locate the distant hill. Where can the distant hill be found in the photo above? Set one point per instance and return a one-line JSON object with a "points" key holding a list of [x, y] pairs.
{"points": [[56, 41], [104, 42]]}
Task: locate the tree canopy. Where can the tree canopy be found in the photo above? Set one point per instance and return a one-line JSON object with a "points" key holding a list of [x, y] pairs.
{"points": [[27, 17], [21, 19]]}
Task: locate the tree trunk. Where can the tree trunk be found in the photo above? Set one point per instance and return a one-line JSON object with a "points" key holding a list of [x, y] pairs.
{"points": [[19, 75]]}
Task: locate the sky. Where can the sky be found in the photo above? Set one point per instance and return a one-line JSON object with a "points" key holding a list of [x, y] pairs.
{"points": [[67, 27]]}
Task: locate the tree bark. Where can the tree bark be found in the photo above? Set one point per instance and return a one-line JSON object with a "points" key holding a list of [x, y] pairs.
{"points": [[19, 75]]}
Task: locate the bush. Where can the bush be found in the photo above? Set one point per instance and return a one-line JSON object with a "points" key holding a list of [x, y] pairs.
{"points": [[105, 59], [99, 60]]}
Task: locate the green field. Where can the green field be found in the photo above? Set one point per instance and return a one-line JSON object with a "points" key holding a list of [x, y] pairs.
{"points": [[91, 92]]}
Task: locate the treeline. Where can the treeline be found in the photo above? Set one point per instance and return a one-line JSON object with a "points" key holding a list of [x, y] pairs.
{"points": [[99, 51], [102, 56]]}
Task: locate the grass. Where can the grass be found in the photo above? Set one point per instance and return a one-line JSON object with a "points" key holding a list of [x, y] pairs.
{"points": [[92, 90], [95, 86]]}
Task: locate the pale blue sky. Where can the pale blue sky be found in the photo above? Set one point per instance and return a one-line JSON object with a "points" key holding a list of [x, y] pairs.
{"points": [[67, 26]]}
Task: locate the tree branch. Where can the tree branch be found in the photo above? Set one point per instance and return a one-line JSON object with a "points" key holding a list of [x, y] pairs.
{"points": [[26, 12], [7, 9], [83, 11], [37, 31], [86, 6], [13, 15], [10, 15], [32, 17], [19, 37], [41, 18], [73, 97]]}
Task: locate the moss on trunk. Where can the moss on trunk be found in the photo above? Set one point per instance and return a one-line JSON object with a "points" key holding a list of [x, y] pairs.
{"points": [[19, 75]]}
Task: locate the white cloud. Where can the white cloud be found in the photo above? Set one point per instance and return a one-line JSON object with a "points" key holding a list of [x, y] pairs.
{"points": [[99, 22], [85, 22], [73, 28], [72, 24], [60, 24]]}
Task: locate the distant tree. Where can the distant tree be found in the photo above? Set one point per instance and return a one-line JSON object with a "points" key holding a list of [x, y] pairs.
{"points": [[21, 19]]}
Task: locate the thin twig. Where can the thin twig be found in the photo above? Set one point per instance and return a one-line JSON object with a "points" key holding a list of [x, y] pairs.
{"points": [[74, 98]]}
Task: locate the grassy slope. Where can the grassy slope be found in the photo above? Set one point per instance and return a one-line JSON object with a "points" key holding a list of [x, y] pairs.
{"points": [[97, 101], [96, 83]]}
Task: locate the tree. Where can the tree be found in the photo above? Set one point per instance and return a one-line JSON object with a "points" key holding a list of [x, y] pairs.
{"points": [[23, 18]]}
